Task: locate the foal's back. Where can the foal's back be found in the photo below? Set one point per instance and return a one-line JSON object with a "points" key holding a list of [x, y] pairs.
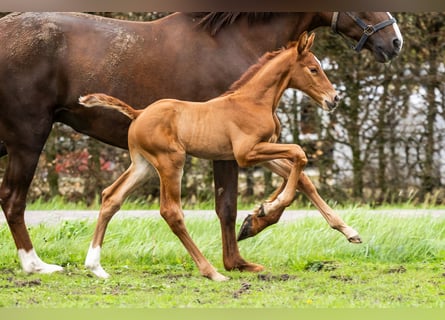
{"points": [[201, 129]]}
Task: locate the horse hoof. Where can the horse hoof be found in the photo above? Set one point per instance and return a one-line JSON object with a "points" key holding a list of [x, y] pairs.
{"points": [[355, 239], [219, 277], [98, 271], [48, 268], [246, 229], [251, 267], [51, 268], [31, 263]]}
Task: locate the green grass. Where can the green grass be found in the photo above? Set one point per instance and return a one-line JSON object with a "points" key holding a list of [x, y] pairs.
{"points": [[59, 202], [401, 263]]}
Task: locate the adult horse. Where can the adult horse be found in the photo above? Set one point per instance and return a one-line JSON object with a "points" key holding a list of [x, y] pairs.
{"points": [[48, 60]]}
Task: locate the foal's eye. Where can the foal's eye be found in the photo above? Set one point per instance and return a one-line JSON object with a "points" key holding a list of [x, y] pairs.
{"points": [[313, 70]]}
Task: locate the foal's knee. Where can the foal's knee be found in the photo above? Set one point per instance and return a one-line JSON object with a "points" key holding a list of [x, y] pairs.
{"points": [[299, 156]]}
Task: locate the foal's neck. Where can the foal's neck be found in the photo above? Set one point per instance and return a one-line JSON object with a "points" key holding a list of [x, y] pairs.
{"points": [[267, 86]]}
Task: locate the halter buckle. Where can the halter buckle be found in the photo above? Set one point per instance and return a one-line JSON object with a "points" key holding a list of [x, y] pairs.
{"points": [[369, 30]]}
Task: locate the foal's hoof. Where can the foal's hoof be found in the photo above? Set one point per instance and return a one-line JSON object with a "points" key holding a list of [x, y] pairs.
{"points": [[251, 267], [355, 239], [246, 230], [218, 277], [98, 271]]}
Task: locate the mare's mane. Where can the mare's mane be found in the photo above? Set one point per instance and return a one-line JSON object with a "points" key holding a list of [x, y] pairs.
{"points": [[213, 22], [253, 69]]}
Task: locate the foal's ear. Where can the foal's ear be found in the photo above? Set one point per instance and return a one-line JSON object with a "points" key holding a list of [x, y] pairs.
{"points": [[302, 40], [305, 42], [310, 41]]}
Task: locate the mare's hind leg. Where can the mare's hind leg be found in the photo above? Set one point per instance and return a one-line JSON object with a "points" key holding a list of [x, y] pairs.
{"points": [[259, 220], [170, 172], [112, 199], [22, 162], [226, 179]]}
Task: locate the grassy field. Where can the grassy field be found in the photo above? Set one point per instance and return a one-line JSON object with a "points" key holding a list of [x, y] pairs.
{"points": [[401, 263]]}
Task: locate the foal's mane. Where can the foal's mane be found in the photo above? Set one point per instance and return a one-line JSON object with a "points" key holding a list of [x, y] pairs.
{"points": [[253, 69], [215, 21]]}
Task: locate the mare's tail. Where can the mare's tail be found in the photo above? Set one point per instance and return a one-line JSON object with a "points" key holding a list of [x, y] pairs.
{"points": [[103, 100]]}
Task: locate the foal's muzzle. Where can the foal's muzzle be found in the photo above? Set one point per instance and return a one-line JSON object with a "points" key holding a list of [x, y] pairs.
{"points": [[332, 105]]}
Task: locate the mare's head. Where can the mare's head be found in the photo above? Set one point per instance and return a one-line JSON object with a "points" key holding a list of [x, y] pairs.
{"points": [[308, 76], [375, 31]]}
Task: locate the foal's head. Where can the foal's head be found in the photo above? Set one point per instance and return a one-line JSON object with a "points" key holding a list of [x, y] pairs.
{"points": [[308, 76]]}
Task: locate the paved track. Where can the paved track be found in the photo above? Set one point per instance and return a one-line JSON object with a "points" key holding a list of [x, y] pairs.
{"points": [[34, 217]]}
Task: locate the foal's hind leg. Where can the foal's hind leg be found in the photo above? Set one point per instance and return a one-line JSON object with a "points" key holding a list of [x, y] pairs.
{"points": [[112, 199], [170, 172], [334, 221]]}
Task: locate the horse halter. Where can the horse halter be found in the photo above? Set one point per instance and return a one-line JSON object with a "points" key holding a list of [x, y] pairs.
{"points": [[368, 30]]}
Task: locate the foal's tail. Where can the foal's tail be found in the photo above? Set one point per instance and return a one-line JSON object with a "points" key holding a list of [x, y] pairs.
{"points": [[103, 100]]}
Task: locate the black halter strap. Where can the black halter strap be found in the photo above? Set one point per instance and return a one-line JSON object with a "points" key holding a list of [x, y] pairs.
{"points": [[368, 30]]}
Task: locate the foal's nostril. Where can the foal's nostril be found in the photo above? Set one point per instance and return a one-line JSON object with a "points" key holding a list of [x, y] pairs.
{"points": [[336, 98]]}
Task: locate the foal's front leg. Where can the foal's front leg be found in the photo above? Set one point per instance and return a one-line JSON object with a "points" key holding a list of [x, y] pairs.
{"points": [[283, 196], [170, 168]]}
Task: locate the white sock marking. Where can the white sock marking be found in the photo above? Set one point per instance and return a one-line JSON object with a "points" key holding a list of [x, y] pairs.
{"points": [[92, 262], [31, 263]]}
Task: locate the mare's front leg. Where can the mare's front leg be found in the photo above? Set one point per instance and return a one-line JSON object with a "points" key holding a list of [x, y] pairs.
{"points": [[22, 162], [112, 199], [225, 175], [259, 220]]}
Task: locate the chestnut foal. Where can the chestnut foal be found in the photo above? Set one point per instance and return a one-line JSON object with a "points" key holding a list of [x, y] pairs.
{"points": [[240, 124]]}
